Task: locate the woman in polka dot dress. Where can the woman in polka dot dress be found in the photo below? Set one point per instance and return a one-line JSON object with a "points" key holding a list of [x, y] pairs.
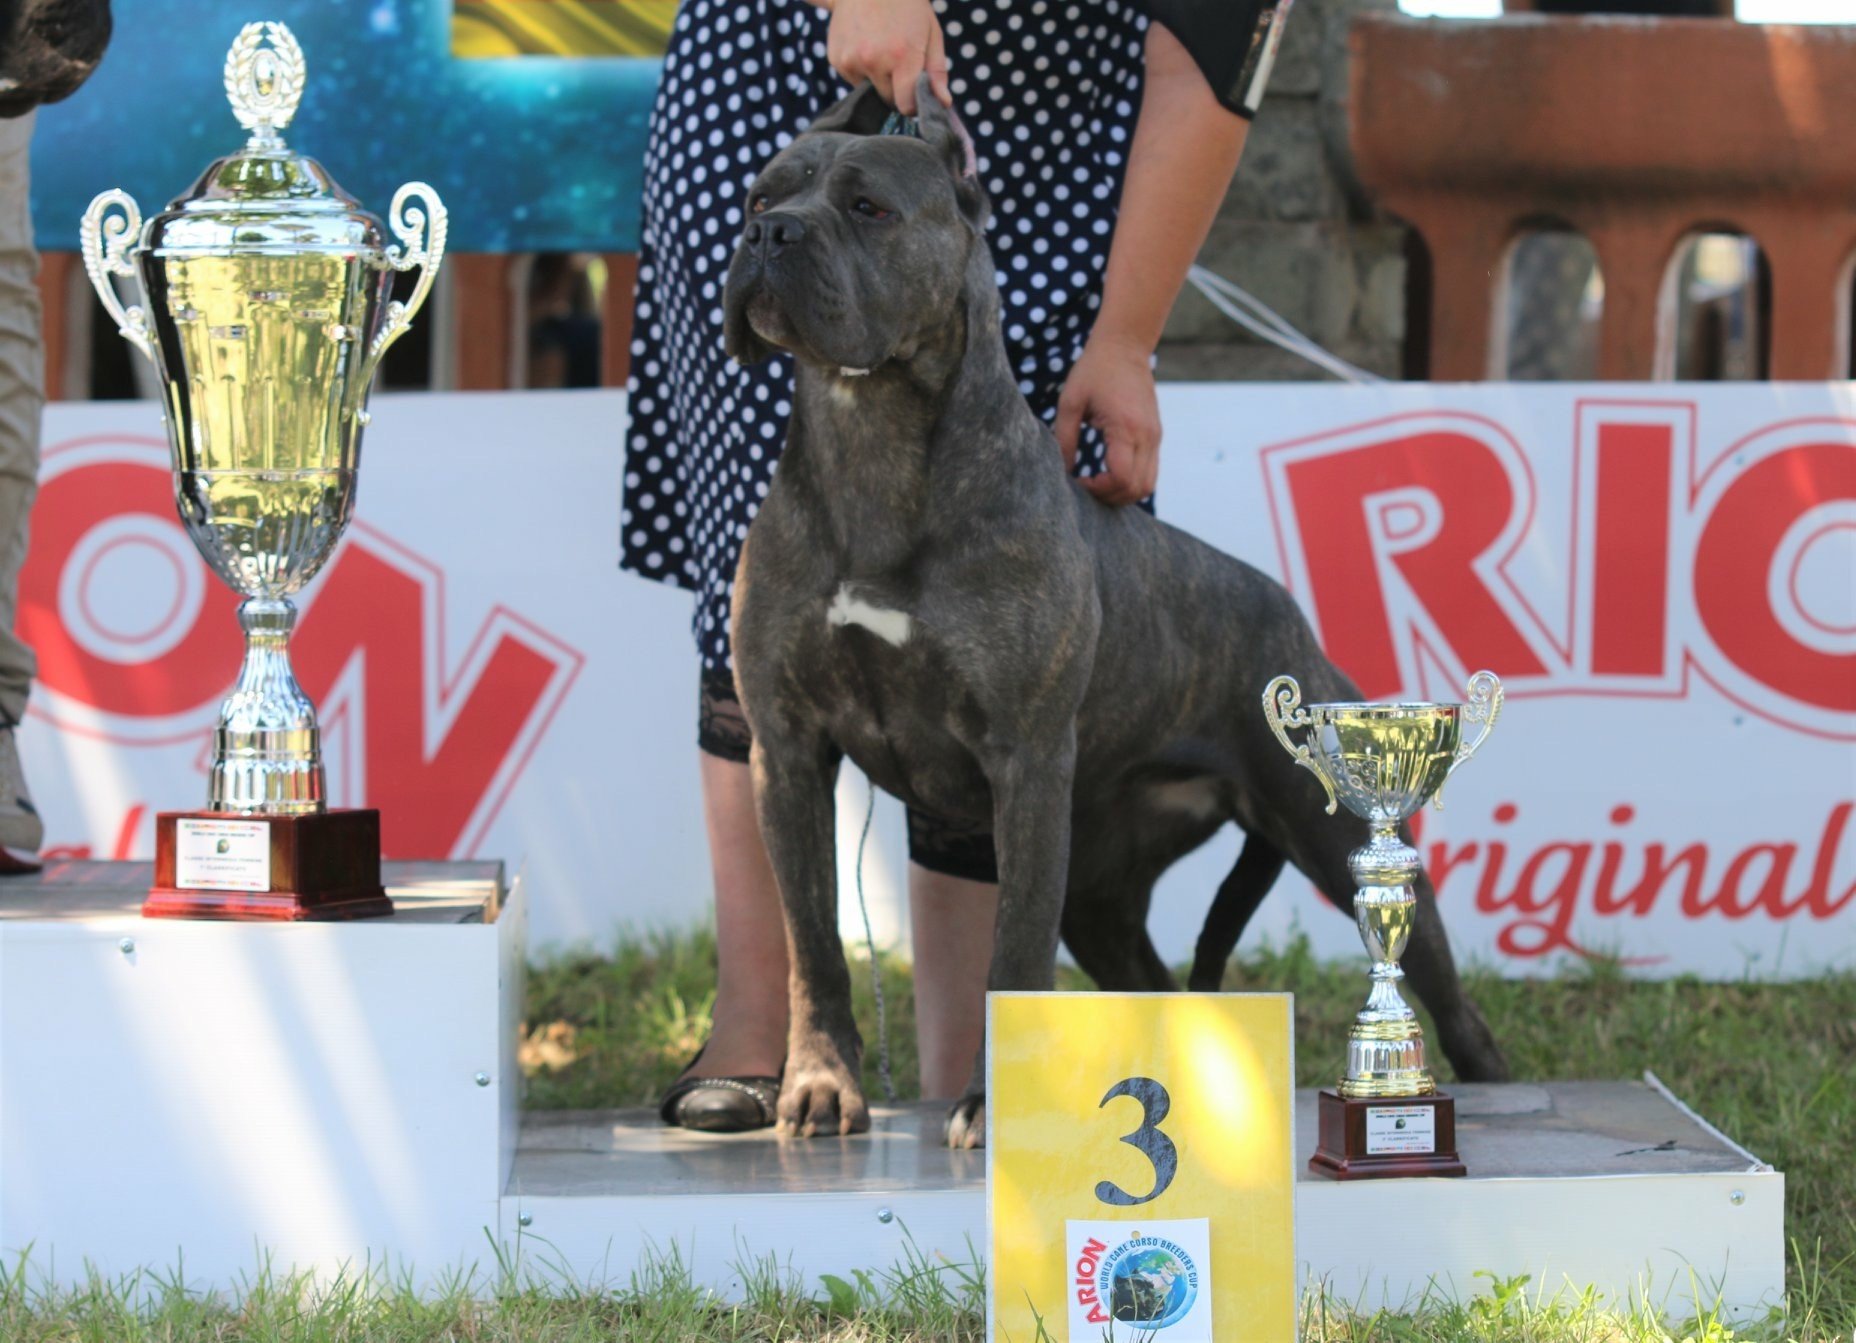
{"points": [[1064, 99]]}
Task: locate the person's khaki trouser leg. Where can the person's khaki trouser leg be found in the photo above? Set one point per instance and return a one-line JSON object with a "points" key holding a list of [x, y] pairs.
{"points": [[22, 396]]}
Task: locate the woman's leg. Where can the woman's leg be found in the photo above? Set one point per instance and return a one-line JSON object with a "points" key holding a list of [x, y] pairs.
{"points": [[951, 921], [749, 1035]]}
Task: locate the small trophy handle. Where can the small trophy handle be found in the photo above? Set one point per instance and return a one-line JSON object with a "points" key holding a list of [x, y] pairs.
{"points": [[1484, 706], [421, 234], [105, 239], [1282, 706]]}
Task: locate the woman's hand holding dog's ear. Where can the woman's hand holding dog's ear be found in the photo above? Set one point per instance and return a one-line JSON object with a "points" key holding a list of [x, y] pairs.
{"points": [[1111, 388], [889, 43]]}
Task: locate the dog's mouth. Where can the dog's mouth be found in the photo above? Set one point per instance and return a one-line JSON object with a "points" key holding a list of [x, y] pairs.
{"points": [[767, 319]]}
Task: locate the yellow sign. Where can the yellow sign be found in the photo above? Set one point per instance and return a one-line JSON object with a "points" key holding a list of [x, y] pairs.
{"points": [[490, 28], [1141, 1167]]}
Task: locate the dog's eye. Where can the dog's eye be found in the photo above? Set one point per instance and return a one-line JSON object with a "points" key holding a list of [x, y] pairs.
{"points": [[759, 202], [869, 209]]}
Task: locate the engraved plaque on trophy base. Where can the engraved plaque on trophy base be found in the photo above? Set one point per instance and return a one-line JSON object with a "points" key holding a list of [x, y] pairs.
{"points": [[1383, 1139], [221, 865]]}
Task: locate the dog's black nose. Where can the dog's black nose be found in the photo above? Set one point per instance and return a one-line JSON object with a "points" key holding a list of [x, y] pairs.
{"points": [[773, 232]]}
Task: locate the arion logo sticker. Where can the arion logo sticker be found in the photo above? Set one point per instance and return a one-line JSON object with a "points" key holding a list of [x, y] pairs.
{"points": [[1135, 1279], [1148, 1281]]}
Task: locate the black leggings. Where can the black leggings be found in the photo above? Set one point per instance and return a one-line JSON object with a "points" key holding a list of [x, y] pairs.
{"points": [[939, 845]]}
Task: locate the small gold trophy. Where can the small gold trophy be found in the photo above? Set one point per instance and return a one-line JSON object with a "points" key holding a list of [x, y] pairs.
{"points": [[1385, 761]]}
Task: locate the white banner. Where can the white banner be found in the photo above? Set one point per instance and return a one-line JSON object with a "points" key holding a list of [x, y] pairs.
{"points": [[1662, 575]]}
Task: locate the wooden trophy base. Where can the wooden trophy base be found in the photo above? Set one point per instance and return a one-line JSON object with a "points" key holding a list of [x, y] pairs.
{"points": [[220, 865], [1386, 1139]]}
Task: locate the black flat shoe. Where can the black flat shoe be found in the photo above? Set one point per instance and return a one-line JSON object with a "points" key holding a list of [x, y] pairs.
{"points": [[721, 1104]]}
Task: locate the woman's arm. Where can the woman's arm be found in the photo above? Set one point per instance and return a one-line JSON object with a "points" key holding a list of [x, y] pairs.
{"points": [[1185, 151]]}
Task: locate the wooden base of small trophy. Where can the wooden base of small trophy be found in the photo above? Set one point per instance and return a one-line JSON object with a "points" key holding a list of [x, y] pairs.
{"points": [[220, 865], [1385, 1139]]}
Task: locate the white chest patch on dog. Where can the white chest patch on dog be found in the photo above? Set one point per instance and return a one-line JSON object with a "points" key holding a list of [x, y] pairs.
{"points": [[847, 608]]}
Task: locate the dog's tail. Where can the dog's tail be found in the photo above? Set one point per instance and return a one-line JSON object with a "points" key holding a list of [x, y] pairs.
{"points": [[1259, 863]]}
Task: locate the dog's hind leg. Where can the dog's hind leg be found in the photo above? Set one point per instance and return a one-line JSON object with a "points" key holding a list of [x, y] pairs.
{"points": [[1116, 952], [1113, 870], [1465, 1038], [1240, 894]]}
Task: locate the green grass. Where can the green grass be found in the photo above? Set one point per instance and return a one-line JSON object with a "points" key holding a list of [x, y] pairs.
{"points": [[916, 1302], [521, 1302], [1770, 1064]]}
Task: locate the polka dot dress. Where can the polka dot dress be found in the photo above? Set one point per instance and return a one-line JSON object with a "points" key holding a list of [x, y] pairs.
{"points": [[1050, 102]]}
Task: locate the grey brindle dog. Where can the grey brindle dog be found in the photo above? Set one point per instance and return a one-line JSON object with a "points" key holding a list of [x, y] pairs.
{"points": [[926, 590]]}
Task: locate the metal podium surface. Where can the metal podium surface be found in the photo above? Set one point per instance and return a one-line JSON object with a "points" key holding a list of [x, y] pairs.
{"points": [[1555, 1130], [632, 1152]]}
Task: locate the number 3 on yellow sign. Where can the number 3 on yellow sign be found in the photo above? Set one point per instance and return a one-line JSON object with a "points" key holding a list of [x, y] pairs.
{"points": [[1141, 1175]]}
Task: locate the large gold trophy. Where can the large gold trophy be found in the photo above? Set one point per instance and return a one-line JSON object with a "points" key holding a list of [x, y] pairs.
{"points": [[266, 306], [1385, 761]]}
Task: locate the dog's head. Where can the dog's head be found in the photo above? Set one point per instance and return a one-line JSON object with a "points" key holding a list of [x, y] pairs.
{"points": [[855, 242], [48, 48]]}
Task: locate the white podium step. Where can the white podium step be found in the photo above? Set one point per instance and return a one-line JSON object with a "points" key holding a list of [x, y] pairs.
{"points": [[178, 1091]]}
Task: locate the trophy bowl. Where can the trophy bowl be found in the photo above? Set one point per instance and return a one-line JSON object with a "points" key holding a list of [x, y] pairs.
{"points": [[266, 305], [1386, 760]]}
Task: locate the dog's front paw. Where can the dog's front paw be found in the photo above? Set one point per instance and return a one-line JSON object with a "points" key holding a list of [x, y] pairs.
{"points": [[821, 1095], [966, 1122]]}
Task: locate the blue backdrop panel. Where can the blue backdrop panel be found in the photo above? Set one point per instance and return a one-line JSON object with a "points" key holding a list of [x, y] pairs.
{"points": [[531, 153]]}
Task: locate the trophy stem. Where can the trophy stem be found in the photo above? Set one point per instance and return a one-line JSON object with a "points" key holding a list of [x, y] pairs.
{"points": [[1385, 1046], [267, 758]]}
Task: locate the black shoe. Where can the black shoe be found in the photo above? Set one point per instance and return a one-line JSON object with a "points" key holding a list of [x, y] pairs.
{"points": [[721, 1104]]}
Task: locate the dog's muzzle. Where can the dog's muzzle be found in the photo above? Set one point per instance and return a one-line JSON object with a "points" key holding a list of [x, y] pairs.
{"points": [[772, 233]]}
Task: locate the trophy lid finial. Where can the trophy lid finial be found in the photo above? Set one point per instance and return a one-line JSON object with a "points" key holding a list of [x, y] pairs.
{"points": [[264, 82]]}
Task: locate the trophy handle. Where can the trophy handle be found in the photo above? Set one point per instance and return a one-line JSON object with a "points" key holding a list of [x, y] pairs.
{"points": [[1484, 706], [1282, 706], [105, 239], [421, 234]]}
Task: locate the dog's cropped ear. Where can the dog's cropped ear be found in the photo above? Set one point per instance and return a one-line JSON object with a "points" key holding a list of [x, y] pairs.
{"points": [[862, 111], [942, 132]]}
